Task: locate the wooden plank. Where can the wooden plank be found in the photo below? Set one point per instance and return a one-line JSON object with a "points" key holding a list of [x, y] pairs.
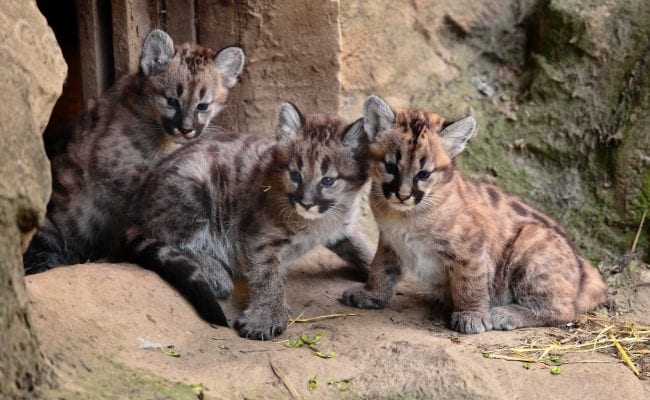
{"points": [[293, 50], [95, 48], [132, 21], [179, 20]]}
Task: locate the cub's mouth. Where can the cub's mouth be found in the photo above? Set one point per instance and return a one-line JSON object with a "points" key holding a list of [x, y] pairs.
{"points": [[181, 136]]}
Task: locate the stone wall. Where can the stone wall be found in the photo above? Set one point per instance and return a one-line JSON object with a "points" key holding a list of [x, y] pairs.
{"points": [[560, 89], [32, 71]]}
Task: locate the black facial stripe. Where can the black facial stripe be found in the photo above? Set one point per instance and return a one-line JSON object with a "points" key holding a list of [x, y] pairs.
{"points": [[422, 161], [299, 162], [201, 93], [325, 165], [398, 157], [179, 90], [417, 194], [171, 123], [324, 204]]}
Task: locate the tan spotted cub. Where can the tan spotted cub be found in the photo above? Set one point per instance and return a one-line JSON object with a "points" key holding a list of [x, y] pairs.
{"points": [[493, 261]]}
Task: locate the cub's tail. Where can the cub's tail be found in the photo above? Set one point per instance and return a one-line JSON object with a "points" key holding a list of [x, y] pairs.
{"points": [[593, 291], [182, 270]]}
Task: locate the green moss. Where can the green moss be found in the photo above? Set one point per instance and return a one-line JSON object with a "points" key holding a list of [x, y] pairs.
{"points": [[104, 378]]}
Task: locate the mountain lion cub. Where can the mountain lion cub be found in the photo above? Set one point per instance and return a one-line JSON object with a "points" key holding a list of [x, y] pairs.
{"points": [[492, 260], [145, 116], [244, 204]]}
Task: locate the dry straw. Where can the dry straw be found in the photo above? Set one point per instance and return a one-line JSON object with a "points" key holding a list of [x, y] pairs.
{"points": [[622, 339]]}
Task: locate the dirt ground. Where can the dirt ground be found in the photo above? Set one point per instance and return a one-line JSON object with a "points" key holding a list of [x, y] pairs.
{"points": [[100, 326]]}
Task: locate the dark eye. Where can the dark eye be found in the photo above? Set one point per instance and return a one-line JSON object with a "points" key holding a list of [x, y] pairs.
{"points": [[423, 175], [391, 168], [202, 106], [172, 102], [327, 181], [295, 176]]}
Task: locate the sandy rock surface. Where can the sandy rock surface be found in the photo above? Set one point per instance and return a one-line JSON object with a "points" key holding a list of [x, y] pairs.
{"points": [[95, 322]]}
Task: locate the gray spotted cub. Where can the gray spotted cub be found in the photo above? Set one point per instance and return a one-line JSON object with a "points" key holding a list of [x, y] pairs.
{"points": [[243, 204], [492, 260], [144, 117]]}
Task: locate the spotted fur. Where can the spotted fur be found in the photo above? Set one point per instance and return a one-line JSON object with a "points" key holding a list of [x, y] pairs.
{"points": [[142, 118], [250, 205], [493, 261]]}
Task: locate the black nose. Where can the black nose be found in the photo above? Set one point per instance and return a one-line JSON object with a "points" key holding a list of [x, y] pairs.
{"points": [[185, 131], [403, 198]]}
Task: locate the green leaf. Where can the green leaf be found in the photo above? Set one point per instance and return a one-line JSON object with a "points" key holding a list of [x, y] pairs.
{"points": [[526, 366], [311, 340], [313, 384], [556, 370], [330, 354], [555, 359], [294, 344], [170, 351], [197, 388]]}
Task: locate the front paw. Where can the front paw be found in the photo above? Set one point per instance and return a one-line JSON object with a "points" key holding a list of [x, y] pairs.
{"points": [[261, 324], [358, 296], [470, 321]]}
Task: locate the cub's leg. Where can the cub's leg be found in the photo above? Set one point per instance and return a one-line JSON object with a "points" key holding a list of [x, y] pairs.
{"points": [[468, 283], [544, 278], [200, 278], [356, 250], [266, 314], [385, 272]]}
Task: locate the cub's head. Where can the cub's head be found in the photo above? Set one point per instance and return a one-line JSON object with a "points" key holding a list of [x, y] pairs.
{"points": [[411, 152], [321, 162], [188, 85]]}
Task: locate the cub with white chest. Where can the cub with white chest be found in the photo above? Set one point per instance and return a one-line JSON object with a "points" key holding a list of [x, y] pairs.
{"points": [[243, 204], [144, 117], [490, 259]]}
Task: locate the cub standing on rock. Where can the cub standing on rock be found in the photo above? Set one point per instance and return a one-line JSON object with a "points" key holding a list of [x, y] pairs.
{"points": [[142, 118], [494, 261], [242, 204]]}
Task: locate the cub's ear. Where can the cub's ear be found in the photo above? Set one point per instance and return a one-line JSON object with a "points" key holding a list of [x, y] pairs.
{"points": [[157, 51], [290, 122], [354, 136], [230, 62], [377, 117], [455, 136]]}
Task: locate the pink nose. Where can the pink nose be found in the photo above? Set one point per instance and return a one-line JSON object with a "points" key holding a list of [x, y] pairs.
{"points": [[403, 198]]}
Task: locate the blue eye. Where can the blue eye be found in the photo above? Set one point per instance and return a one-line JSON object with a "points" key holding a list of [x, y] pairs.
{"points": [[423, 175], [172, 102], [202, 106], [327, 181], [391, 168], [295, 176]]}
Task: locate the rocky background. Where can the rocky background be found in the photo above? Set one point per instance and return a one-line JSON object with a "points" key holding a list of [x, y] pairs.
{"points": [[560, 88], [32, 71]]}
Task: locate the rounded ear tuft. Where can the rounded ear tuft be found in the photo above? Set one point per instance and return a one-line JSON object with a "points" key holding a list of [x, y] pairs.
{"points": [[378, 117], [157, 51], [455, 136], [355, 136], [290, 122], [230, 62]]}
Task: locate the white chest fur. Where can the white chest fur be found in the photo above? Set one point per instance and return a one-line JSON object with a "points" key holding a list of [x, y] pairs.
{"points": [[416, 251]]}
